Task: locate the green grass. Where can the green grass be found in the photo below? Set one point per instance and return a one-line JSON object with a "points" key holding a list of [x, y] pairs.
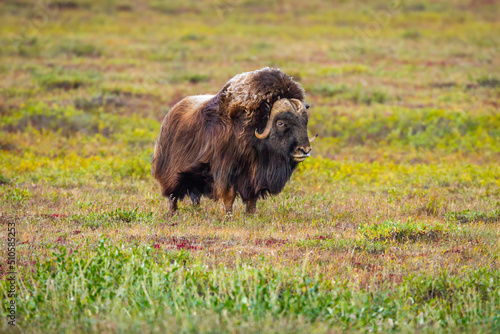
{"points": [[391, 226], [469, 216], [63, 79], [161, 289], [402, 231]]}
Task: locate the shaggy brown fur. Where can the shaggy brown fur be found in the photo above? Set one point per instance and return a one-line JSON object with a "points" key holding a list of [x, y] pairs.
{"points": [[207, 144]]}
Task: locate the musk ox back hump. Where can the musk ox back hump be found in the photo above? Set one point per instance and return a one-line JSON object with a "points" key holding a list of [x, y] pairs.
{"points": [[245, 92]]}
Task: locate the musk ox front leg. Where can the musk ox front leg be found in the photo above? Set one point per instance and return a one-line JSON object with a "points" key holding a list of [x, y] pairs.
{"points": [[173, 205], [251, 205], [228, 196]]}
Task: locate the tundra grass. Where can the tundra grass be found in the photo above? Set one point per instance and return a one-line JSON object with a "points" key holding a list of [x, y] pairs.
{"points": [[392, 225]]}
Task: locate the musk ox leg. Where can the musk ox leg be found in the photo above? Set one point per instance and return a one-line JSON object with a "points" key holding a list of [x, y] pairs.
{"points": [[228, 197], [195, 198], [251, 205], [173, 205]]}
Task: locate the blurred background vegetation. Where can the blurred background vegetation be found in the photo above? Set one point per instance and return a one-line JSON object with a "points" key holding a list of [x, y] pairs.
{"points": [[382, 76]]}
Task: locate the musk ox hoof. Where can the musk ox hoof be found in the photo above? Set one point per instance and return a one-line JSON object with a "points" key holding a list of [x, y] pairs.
{"points": [[169, 215], [228, 216], [195, 199]]}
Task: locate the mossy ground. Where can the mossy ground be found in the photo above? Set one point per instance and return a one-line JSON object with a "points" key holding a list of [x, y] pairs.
{"points": [[393, 224]]}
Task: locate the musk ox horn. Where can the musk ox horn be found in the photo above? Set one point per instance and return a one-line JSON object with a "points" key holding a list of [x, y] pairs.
{"points": [[314, 137], [299, 106], [278, 107]]}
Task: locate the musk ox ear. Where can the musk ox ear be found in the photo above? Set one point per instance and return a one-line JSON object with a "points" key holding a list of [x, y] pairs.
{"points": [[298, 105]]}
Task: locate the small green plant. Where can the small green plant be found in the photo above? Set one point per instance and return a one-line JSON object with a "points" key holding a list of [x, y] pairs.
{"points": [[173, 7], [104, 219], [193, 78], [415, 7], [64, 79], [29, 47], [4, 180], [79, 49], [192, 37], [95, 102], [342, 245], [402, 231], [430, 206], [66, 120], [17, 195], [489, 82], [360, 95], [327, 90], [471, 216], [411, 34], [125, 216]]}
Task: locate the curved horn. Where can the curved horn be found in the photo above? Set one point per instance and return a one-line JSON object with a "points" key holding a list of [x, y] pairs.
{"points": [[314, 137], [299, 106], [278, 107]]}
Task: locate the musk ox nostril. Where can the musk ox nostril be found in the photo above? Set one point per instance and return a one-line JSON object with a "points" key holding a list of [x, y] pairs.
{"points": [[305, 150]]}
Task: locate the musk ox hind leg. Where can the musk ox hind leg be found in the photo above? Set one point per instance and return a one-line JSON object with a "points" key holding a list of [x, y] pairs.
{"points": [[195, 197]]}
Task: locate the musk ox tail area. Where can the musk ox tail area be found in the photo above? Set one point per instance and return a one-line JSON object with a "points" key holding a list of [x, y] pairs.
{"points": [[181, 144]]}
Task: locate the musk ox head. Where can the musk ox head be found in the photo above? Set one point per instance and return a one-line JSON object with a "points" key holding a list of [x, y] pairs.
{"points": [[286, 130], [273, 106]]}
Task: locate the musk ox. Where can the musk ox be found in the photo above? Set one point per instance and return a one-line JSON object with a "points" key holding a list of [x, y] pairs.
{"points": [[246, 140]]}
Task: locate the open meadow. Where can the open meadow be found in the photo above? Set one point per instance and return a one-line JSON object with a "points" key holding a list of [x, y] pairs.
{"points": [[393, 224]]}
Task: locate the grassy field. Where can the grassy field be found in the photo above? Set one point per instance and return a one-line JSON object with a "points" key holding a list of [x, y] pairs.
{"points": [[392, 225]]}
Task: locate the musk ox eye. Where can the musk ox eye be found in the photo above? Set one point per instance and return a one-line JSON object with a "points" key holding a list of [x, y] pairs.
{"points": [[280, 123]]}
